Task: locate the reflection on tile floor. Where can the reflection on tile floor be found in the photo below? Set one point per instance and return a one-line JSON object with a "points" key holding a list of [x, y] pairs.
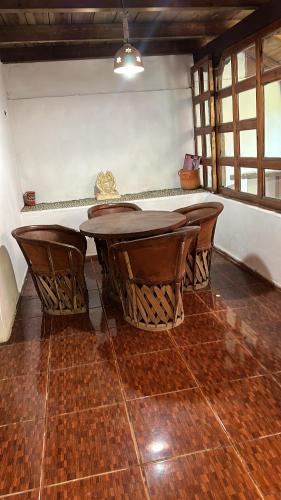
{"points": [[92, 408]]}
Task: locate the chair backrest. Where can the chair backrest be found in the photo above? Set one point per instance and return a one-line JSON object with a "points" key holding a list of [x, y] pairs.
{"points": [[204, 215], [51, 248], [155, 260], [109, 208]]}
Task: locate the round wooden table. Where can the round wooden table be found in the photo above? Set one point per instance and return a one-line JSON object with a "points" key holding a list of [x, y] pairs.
{"points": [[139, 224], [127, 226]]}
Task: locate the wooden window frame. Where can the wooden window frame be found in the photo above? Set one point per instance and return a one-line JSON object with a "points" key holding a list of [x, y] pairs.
{"points": [[204, 129], [257, 82]]}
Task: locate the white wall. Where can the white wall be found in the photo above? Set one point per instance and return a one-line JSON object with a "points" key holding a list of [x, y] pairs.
{"points": [[251, 235], [75, 118], [12, 266]]}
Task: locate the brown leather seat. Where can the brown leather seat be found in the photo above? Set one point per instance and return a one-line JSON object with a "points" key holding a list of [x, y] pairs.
{"points": [[198, 262], [106, 209], [149, 275], [55, 256]]}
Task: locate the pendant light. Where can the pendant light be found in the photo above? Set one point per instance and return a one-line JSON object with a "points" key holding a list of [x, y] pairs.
{"points": [[127, 60]]}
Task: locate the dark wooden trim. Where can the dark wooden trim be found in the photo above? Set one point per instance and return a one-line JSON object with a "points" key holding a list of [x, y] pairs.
{"points": [[95, 51], [263, 17], [247, 84], [271, 76], [110, 32], [141, 5], [247, 124], [266, 203]]}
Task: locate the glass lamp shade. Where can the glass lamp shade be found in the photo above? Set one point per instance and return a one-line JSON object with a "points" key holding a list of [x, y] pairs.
{"points": [[128, 61]]}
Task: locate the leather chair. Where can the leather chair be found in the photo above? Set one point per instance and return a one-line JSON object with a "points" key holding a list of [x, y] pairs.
{"points": [[149, 275], [55, 256], [198, 264], [106, 209]]}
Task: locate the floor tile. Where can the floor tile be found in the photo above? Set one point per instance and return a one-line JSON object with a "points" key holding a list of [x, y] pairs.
{"points": [[28, 308], [263, 458], [227, 298], [20, 456], [20, 359], [87, 443], [154, 373], [22, 398], [29, 495], [28, 289], [26, 329], [200, 328], [94, 298], [268, 296], [192, 304], [83, 387], [260, 319], [95, 320], [80, 348], [126, 484], [222, 360], [129, 341], [277, 377], [174, 424], [249, 408], [261, 338], [214, 474], [91, 282]]}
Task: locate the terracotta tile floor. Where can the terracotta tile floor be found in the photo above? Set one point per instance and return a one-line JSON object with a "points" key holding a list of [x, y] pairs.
{"points": [[93, 408]]}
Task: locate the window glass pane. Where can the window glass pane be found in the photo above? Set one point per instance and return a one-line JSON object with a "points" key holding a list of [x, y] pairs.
{"points": [[226, 110], [246, 63], [196, 83], [226, 144], [273, 183], [209, 177], [272, 51], [205, 78], [225, 77], [208, 146], [247, 104], [227, 177], [199, 145], [272, 117], [207, 113], [248, 143], [249, 180], [197, 115]]}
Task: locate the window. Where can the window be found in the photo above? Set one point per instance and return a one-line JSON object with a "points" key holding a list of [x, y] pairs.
{"points": [[273, 183], [248, 143], [246, 63], [249, 180], [227, 177], [247, 104], [204, 118], [272, 119], [239, 132]]}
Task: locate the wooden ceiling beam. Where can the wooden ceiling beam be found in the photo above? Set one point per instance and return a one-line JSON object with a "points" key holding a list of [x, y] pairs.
{"points": [[96, 51], [252, 24], [108, 32], [7, 6]]}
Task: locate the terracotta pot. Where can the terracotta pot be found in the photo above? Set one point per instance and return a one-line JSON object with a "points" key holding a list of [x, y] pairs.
{"points": [[189, 179], [29, 198]]}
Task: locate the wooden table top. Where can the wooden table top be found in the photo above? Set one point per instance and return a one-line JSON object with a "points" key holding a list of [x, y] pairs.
{"points": [[132, 224]]}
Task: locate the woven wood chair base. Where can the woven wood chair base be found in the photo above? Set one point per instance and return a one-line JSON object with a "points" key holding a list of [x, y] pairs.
{"points": [[197, 270], [152, 307], [63, 294]]}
